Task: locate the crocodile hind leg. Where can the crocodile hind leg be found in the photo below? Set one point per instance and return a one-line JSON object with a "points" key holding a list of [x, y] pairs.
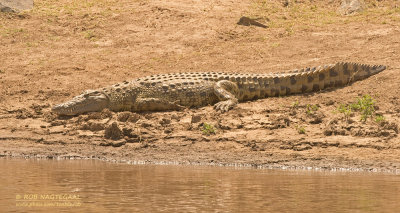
{"points": [[155, 104], [226, 92]]}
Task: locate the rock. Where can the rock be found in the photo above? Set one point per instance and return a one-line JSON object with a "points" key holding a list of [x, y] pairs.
{"points": [[57, 123], [228, 124], [113, 132], [146, 125], [15, 5], [165, 121], [285, 3], [92, 126], [130, 133], [246, 21], [23, 114], [195, 119], [351, 6], [329, 102], [128, 116], [175, 117], [315, 118], [123, 116], [5, 9], [114, 143], [94, 116], [106, 113], [327, 132], [390, 126]]}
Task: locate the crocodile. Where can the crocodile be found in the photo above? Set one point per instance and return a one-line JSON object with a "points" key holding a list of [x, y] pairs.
{"points": [[177, 91]]}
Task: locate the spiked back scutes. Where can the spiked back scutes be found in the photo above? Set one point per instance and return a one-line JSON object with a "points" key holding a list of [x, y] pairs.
{"points": [[333, 75], [253, 86]]}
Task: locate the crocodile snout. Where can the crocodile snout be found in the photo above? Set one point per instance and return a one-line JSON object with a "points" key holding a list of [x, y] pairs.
{"points": [[90, 101]]}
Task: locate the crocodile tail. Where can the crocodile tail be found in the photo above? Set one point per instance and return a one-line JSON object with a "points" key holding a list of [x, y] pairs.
{"points": [[333, 75]]}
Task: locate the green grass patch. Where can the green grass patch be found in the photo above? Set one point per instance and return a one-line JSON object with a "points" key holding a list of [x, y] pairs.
{"points": [[301, 129], [56, 8], [275, 44], [89, 34], [295, 104], [379, 118], [345, 110], [12, 32], [365, 105], [208, 129], [310, 109]]}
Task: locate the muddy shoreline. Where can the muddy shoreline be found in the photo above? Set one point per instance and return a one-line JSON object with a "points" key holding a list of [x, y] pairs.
{"points": [[283, 167], [243, 137]]}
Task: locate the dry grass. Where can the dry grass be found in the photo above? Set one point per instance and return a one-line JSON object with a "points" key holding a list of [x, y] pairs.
{"points": [[63, 13], [297, 15]]}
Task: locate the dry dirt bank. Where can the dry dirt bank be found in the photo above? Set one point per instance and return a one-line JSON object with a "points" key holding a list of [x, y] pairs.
{"points": [[63, 47]]}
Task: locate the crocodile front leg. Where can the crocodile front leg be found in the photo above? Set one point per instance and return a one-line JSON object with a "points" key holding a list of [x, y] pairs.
{"points": [[227, 93], [154, 104]]}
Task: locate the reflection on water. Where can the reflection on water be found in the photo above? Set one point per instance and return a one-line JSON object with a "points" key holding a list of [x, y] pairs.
{"points": [[100, 186]]}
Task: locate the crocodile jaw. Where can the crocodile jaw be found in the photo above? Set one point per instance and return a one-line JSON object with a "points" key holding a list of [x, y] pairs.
{"points": [[89, 101]]}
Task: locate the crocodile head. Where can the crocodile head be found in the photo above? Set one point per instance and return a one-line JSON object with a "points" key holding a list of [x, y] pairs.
{"points": [[88, 101]]}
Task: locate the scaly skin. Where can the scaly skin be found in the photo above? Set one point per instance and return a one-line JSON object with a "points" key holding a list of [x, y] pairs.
{"points": [[180, 90]]}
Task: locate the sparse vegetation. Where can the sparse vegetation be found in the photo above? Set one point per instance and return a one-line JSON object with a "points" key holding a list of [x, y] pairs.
{"points": [[345, 110], [11, 32], [89, 34], [295, 104], [379, 118], [275, 44], [365, 105], [310, 109], [301, 129], [62, 47], [293, 16], [208, 129]]}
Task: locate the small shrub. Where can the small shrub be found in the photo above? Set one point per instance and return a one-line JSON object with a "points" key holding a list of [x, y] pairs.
{"points": [[311, 108], [365, 105], [208, 129], [301, 129], [295, 104], [89, 34], [345, 110], [379, 118]]}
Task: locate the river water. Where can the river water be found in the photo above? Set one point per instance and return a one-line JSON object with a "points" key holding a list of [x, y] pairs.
{"points": [[96, 186]]}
